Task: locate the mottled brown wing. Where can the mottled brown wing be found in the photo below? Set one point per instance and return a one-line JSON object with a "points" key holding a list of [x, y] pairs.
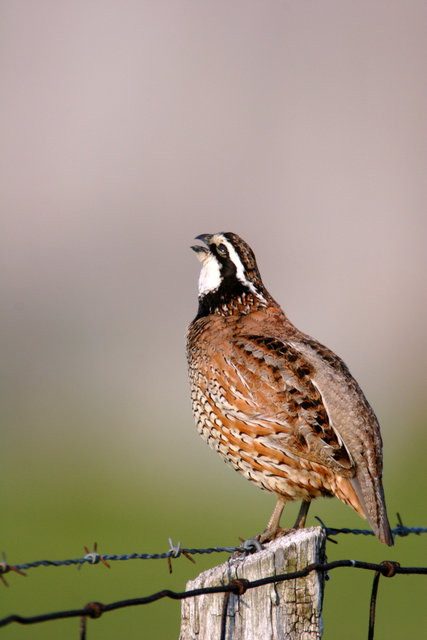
{"points": [[265, 387]]}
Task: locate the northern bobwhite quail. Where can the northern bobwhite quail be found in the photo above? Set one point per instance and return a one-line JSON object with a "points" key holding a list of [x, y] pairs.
{"points": [[278, 406]]}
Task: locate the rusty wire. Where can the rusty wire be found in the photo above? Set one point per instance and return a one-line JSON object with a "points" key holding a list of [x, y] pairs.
{"points": [[238, 587]]}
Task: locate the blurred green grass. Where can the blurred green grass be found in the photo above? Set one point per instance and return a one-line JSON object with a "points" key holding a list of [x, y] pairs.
{"points": [[61, 493]]}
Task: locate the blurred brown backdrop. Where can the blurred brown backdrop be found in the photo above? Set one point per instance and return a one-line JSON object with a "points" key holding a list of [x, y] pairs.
{"points": [[128, 128]]}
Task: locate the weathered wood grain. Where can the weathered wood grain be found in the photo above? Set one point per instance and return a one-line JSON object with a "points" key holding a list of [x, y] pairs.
{"points": [[290, 610]]}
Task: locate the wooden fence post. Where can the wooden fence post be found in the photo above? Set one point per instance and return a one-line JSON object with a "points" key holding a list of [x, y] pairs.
{"points": [[290, 610]]}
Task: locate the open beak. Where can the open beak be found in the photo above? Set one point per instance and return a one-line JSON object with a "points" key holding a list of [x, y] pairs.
{"points": [[202, 252]]}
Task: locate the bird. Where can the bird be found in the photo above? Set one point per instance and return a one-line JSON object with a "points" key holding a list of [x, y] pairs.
{"points": [[278, 406]]}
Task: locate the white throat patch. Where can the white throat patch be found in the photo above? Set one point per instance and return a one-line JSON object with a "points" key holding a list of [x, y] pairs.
{"points": [[210, 275]]}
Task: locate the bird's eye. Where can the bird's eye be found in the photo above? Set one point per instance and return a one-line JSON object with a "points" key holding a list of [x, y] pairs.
{"points": [[222, 250]]}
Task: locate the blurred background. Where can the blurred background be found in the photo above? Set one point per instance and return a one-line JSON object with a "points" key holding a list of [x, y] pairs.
{"points": [[128, 128]]}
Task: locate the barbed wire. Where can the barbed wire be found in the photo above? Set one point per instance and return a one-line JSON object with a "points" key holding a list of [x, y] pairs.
{"points": [[400, 530], [175, 551], [238, 587]]}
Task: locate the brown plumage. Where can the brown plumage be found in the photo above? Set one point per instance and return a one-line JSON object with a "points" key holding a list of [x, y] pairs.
{"points": [[278, 406]]}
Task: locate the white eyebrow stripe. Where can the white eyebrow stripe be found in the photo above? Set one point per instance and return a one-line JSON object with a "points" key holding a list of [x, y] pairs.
{"points": [[240, 271], [234, 256]]}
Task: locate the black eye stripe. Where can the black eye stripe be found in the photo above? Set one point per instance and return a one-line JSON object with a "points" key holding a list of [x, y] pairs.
{"points": [[222, 251]]}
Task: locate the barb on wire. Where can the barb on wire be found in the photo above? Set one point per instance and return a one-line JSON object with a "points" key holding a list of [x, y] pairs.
{"points": [[93, 557], [175, 551], [5, 568]]}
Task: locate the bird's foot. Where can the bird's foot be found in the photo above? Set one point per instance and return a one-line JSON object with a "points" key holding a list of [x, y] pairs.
{"points": [[272, 534]]}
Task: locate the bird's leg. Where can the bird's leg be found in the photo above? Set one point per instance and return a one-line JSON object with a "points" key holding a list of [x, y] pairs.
{"points": [[273, 530], [302, 514]]}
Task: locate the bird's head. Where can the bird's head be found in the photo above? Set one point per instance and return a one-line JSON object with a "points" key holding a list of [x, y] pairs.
{"points": [[229, 274]]}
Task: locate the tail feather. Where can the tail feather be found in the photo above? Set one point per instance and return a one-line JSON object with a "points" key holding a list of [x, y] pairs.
{"points": [[369, 504], [371, 495]]}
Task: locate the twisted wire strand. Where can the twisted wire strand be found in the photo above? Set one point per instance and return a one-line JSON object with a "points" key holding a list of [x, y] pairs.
{"points": [[177, 551]]}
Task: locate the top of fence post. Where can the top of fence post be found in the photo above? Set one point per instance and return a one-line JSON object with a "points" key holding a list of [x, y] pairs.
{"points": [[290, 609]]}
